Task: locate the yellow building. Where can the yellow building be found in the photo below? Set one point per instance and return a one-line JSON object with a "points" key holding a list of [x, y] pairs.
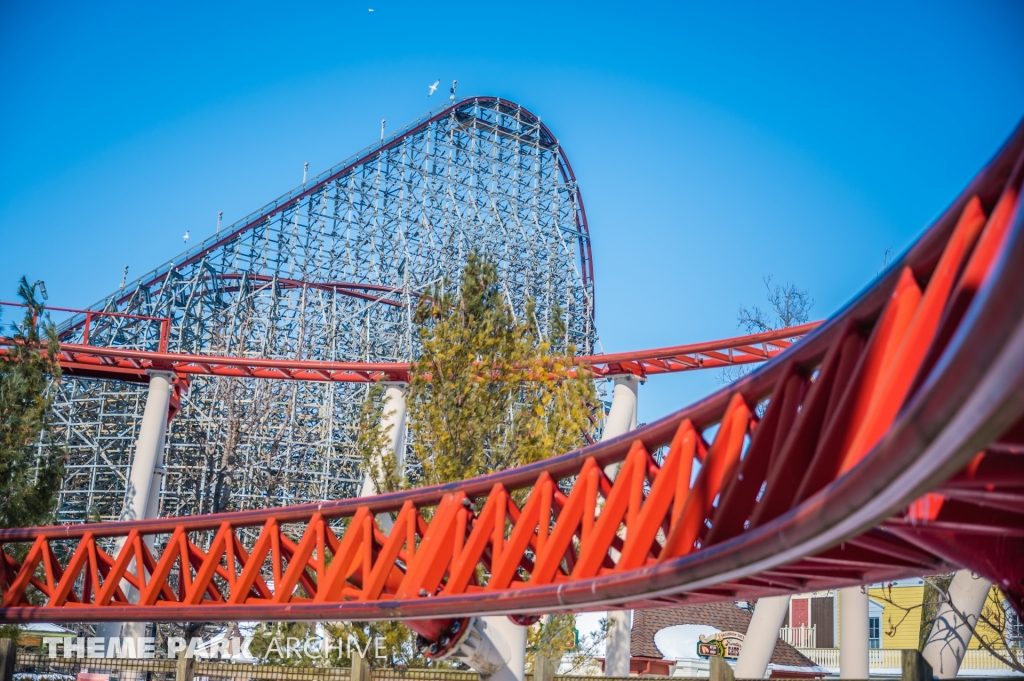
{"points": [[894, 617], [900, 621], [897, 611]]}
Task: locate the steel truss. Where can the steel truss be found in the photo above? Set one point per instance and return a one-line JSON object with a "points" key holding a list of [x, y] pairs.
{"points": [[890, 444], [328, 272], [132, 365]]}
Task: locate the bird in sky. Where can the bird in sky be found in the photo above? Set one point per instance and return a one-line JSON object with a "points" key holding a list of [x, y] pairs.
{"points": [[185, 238], [433, 88]]}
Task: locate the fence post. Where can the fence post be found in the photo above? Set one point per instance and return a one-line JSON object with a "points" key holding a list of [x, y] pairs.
{"points": [[543, 668], [185, 670], [8, 650], [915, 667], [360, 668], [720, 670]]}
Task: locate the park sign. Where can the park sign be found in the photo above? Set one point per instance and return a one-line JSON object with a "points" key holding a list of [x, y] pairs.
{"points": [[725, 644]]}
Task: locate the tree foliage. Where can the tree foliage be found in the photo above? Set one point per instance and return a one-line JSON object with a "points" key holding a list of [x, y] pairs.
{"points": [[30, 477], [548, 641], [372, 440], [488, 392]]}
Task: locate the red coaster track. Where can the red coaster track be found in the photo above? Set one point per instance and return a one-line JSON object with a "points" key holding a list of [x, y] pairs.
{"points": [[131, 365], [887, 443]]}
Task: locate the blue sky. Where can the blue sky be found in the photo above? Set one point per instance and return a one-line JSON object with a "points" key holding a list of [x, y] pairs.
{"points": [[714, 144]]}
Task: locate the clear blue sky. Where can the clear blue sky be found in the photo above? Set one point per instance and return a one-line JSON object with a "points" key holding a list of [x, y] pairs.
{"points": [[714, 144]]}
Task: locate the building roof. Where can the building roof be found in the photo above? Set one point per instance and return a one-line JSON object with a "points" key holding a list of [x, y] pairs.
{"points": [[722, 616]]}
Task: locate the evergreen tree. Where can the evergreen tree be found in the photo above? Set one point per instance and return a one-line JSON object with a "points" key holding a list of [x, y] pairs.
{"points": [[488, 392], [30, 477]]}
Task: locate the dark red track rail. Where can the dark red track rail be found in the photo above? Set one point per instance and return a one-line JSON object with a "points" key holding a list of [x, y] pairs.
{"points": [[131, 365], [888, 443]]}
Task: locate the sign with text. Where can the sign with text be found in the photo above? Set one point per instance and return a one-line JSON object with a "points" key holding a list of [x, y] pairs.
{"points": [[725, 644]]}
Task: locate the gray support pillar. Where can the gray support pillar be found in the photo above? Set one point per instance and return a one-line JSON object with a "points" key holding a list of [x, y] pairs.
{"points": [[853, 633], [950, 635], [762, 633], [620, 420], [494, 646], [617, 645], [153, 501], [393, 424], [622, 415], [142, 497], [514, 636], [147, 462]]}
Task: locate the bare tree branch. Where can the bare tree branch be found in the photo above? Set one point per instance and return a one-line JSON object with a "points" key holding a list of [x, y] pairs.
{"points": [[792, 304], [754, 320], [789, 305], [993, 617]]}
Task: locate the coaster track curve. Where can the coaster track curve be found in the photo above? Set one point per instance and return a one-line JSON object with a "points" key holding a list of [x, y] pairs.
{"points": [[887, 443]]}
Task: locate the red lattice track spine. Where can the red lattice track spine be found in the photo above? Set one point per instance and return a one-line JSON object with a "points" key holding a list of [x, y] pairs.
{"points": [[887, 443], [131, 365]]}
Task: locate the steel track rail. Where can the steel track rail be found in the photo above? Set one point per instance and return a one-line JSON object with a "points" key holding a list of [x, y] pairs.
{"points": [[128, 364], [845, 460]]}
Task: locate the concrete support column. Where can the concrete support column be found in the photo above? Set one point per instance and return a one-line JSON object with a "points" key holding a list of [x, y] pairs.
{"points": [[142, 498], [947, 643], [620, 420], [617, 645], [853, 633], [514, 638], [153, 501], [147, 461], [494, 646], [762, 633], [393, 423], [622, 415]]}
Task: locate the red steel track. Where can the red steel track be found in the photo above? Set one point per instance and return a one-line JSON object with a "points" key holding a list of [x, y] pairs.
{"points": [[131, 365], [887, 443]]}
